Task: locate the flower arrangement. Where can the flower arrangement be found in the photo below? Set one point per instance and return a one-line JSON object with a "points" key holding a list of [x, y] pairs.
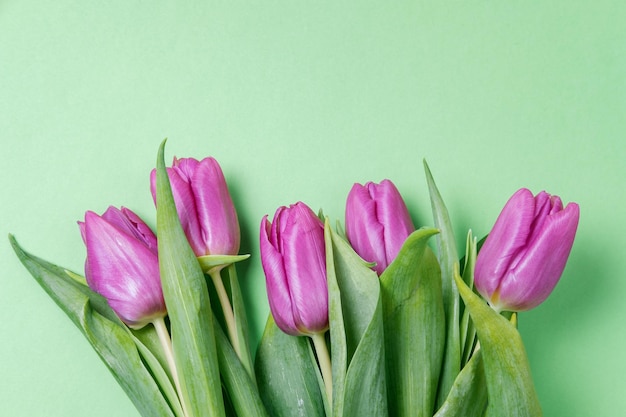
{"points": [[366, 321]]}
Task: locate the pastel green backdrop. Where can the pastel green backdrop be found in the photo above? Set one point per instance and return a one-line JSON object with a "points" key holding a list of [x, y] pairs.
{"points": [[298, 101]]}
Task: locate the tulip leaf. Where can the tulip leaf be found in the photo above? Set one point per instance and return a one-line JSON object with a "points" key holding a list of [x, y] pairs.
{"points": [[241, 389], [468, 331], [468, 396], [337, 329], [210, 261], [509, 384], [241, 320], [287, 374], [146, 338], [104, 331], [414, 327], [448, 258], [355, 307], [158, 370], [187, 301]]}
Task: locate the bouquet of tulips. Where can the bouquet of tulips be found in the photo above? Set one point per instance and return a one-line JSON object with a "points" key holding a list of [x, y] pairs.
{"points": [[367, 319]]}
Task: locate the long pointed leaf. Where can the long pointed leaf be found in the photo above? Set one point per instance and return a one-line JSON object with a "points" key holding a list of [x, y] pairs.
{"points": [[104, 331], [356, 307], [242, 390], [287, 375], [468, 396], [468, 331], [448, 258], [337, 329], [187, 300], [161, 375], [414, 327], [241, 320], [509, 383]]}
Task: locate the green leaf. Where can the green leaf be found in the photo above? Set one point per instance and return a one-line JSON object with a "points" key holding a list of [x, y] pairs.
{"points": [[241, 320], [468, 396], [509, 383], [187, 300], [337, 329], [287, 374], [448, 258], [159, 370], [356, 331], [241, 389], [208, 262], [103, 329], [414, 327], [468, 331]]}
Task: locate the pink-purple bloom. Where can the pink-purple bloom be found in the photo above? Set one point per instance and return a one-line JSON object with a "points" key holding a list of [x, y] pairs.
{"points": [[294, 260], [525, 254], [122, 265], [377, 222], [204, 206]]}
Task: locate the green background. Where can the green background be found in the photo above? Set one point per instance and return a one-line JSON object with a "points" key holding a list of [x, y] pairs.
{"points": [[298, 101]]}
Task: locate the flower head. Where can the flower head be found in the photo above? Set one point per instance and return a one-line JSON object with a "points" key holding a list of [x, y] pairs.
{"points": [[122, 265], [525, 254], [204, 206], [294, 260], [377, 222]]}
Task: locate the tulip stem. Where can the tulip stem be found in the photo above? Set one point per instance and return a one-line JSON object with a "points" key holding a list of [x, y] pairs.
{"points": [[323, 357], [166, 343], [229, 316]]}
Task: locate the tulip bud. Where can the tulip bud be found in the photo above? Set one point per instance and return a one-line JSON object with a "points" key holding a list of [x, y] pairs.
{"points": [[294, 260], [122, 265], [204, 206], [377, 222], [525, 254]]}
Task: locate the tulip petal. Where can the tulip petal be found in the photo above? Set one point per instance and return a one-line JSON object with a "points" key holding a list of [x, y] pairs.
{"points": [[508, 236], [276, 281], [393, 214], [127, 221], [185, 207], [541, 266], [364, 231], [377, 222], [304, 258], [123, 270], [217, 216]]}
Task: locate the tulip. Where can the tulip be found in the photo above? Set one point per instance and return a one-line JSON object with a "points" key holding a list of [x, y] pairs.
{"points": [[525, 254], [377, 222], [294, 260], [204, 206], [122, 265]]}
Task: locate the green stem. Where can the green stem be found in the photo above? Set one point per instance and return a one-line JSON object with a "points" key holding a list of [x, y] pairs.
{"points": [[227, 309], [319, 341], [166, 343]]}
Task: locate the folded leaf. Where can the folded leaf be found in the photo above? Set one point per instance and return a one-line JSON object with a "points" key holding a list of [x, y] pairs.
{"points": [[468, 331], [210, 261], [448, 258], [509, 384], [242, 390], [103, 329], [468, 396], [187, 300], [287, 374], [414, 327], [355, 310], [241, 320]]}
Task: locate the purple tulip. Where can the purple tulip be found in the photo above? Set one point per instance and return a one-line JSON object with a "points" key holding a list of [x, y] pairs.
{"points": [[294, 260], [377, 222], [525, 254], [122, 265], [204, 206]]}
